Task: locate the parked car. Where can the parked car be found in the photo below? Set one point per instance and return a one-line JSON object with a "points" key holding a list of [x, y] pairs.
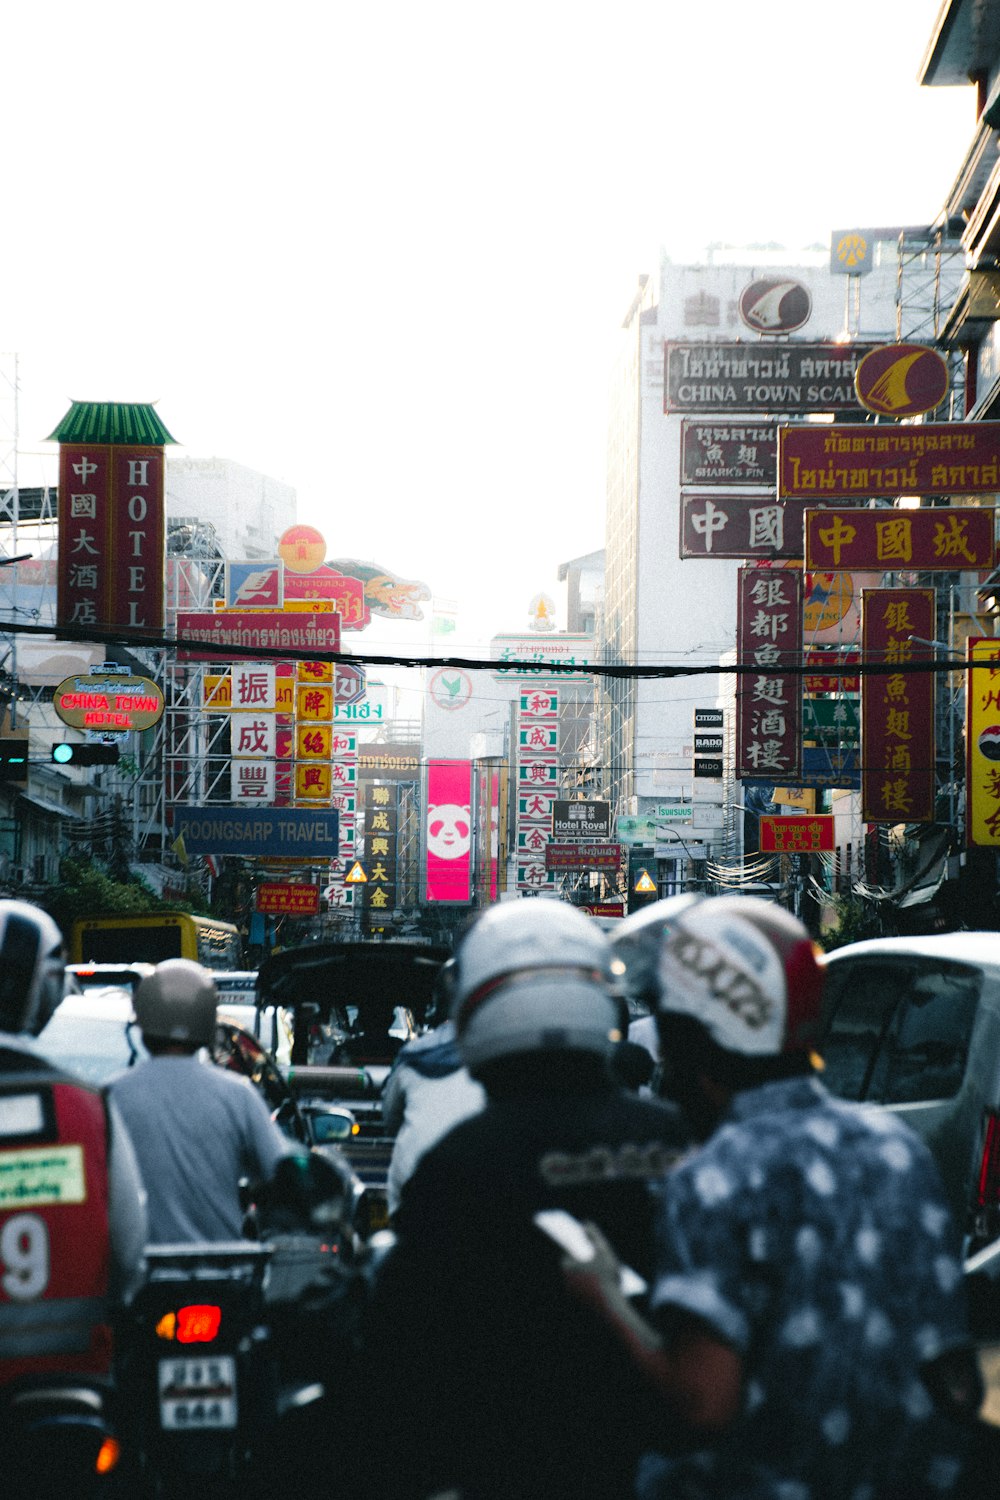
{"points": [[912, 1024]]}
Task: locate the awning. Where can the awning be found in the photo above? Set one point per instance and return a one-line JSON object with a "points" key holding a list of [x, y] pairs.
{"points": [[53, 809], [927, 888]]}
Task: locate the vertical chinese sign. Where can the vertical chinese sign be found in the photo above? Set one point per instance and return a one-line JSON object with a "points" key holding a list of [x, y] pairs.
{"points": [[537, 782], [111, 518], [897, 707], [381, 830], [448, 831], [768, 697], [982, 738]]}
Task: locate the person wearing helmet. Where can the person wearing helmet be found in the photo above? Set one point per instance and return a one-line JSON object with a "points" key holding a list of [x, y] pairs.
{"points": [[491, 1377], [72, 1233], [807, 1293], [428, 1090], [637, 941], [196, 1129]]}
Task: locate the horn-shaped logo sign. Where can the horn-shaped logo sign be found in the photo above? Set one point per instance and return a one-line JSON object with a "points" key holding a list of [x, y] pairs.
{"points": [[902, 380], [775, 305]]}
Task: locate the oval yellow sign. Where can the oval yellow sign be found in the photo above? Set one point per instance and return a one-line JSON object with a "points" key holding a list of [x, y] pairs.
{"points": [[98, 701]]}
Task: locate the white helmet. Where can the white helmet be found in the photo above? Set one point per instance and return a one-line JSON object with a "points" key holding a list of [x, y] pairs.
{"points": [[32, 967], [638, 940], [533, 975], [177, 1003]]}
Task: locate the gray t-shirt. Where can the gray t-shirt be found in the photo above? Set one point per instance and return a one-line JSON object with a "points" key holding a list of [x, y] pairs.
{"points": [[196, 1130]]}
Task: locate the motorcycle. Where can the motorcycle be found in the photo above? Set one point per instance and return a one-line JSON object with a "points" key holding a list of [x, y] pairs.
{"points": [[59, 1438]]}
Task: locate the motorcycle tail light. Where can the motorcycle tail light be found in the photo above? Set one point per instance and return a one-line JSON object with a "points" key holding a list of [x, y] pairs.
{"points": [[107, 1456], [198, 1323]]}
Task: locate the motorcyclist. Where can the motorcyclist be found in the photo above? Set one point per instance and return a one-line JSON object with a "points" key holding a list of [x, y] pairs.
{"points": [[489, 1376], [72, 1208], [807, 1295], [429, 1089], [197, 1129]]}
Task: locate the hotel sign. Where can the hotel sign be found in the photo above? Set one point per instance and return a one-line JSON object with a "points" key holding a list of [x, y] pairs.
{"points": [[883, 462], [839, 541], [766, 378]]}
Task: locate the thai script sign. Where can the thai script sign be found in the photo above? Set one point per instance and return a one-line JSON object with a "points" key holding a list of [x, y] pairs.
{"points": [[722, 453], [111, 535], [389, 762], [287, 897], [768, 700], [840, 463], [101, 701], [270, 630], [839, 541], [583, 856], [982, 740], [344, 594], [766, 378], [897, 708], [531, 654], [796, 834], [257, 831]]}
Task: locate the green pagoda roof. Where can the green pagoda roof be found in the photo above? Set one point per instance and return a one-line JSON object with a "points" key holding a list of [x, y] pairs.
{"points": [[113, 422]]}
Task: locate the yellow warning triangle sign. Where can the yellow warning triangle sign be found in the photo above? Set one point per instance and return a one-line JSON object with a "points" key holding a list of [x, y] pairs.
{"points": [[356, 875], [644, 886]]}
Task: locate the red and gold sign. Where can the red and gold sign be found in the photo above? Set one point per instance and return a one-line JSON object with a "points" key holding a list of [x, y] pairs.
{"points": [[897, 707], [288, 898], [313, 741], [313, 783], [583, 856], [796, 834], [902, 380], [768, 697], [825, 680], [111, 535], [982, 740], [314, 671], [818, 462], [839, 541], [314, 701]]}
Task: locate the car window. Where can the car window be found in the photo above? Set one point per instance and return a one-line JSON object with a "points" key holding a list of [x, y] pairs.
{"points": [[897, 1032]]}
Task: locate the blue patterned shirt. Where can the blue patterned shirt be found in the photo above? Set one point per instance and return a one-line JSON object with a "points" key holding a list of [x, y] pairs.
{"points": [[814, 1238]]}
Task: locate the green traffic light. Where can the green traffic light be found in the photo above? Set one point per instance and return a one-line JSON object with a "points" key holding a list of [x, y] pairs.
{"points": [[62, 753]]}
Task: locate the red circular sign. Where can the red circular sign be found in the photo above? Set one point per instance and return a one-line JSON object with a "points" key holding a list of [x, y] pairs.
{"points": [[902, 380]]}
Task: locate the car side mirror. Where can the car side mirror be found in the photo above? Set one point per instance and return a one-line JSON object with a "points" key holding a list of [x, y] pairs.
{"points": [[328, 1126]]}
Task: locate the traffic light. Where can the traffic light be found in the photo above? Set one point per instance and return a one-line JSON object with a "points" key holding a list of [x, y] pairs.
{"points": [[85, 755], [14, 760]]}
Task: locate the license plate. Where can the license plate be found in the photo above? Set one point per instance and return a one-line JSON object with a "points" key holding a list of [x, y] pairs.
{"points": [[196, 1394]]}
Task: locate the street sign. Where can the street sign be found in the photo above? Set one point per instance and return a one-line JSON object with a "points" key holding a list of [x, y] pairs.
{"points": [[644, 885], [356, 875], [349, 683]]}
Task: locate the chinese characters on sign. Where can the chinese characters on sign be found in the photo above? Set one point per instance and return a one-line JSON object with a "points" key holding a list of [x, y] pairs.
{"points": [[769, 701], [839, 541], [111, 535], [722, 453], [897, 708], [732, 526], [288, 898], [982, 739], [537, 782], [381, 824], [796, 834]]}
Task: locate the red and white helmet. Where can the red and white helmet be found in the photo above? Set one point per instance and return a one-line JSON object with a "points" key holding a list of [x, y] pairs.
{"points": [[747, 970]]}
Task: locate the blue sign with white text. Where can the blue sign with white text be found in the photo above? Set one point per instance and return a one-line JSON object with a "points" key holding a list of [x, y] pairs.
{"points": [[250, 831]]}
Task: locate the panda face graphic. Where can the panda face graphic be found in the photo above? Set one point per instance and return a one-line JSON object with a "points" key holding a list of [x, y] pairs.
{"points": [[449, 830]]}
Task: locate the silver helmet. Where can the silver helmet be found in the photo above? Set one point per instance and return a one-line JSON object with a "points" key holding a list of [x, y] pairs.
{"points": [[177, 1003], [533, 975], [32, 967]]}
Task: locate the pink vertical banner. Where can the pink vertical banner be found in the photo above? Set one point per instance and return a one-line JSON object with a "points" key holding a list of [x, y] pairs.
{"points": [[448, 831]]}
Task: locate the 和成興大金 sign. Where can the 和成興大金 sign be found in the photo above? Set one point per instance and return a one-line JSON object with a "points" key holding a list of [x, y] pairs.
{"points": [[101, 702]]}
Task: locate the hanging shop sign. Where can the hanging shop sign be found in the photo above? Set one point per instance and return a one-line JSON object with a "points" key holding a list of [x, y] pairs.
{"points": [[226, 633], [768, 700], [897, 708], [832, 463], [257, 831], [583, 856], [902, 380], [796, 834], [724, 453], [255, 585], [581, 820], [982, 741], [766, 378], [287, 898], [100, 701], [743, 526], [911, 540]]}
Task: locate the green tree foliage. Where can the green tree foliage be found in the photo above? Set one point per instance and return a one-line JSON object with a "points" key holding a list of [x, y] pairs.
{"points": [[856, 920], [86, 891]]}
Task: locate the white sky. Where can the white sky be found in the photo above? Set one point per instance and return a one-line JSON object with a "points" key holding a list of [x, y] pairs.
{"points": [[382, 251]]}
